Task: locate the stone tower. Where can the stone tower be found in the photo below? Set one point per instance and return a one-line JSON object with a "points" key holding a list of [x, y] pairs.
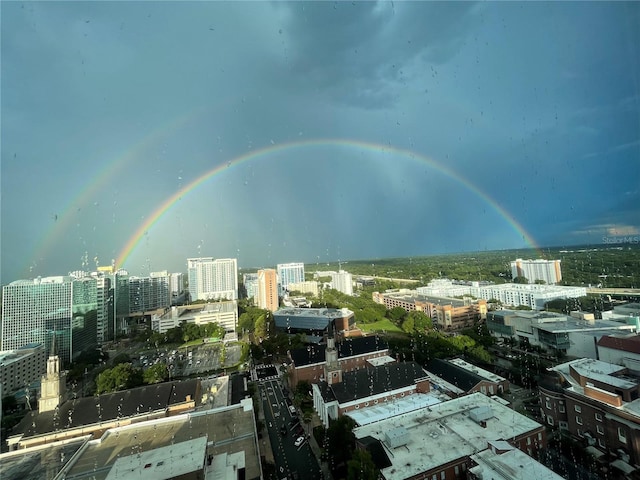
{"points": [[53, 384]]}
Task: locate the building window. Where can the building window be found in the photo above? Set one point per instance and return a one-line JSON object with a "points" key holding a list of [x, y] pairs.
{"points": [[580, 433], [578, 420], [548, 404], [561, 409], [601, 443], [599, 429], [622, 436], [578, 408], [598, 417], [550, 421], [563, 425]]}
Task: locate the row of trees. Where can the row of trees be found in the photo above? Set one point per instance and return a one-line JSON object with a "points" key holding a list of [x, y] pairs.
{"points": [[124, 376], [186, 332], [609, 265]]}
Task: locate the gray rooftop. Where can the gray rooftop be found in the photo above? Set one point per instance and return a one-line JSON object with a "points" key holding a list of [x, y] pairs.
{"points": [[444, 432]]}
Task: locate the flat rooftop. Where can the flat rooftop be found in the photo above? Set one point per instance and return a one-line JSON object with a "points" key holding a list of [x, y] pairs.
{"points": [[44, 461], [314, 312], [486, 374], [382, 411], [511, 465], [443, 433], [227, 431]]}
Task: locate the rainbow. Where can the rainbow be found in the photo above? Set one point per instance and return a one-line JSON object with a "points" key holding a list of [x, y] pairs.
{"points": [[135, 239], [101, 178]]}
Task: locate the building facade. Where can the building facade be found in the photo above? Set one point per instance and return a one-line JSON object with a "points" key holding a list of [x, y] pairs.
{"points": [[211, 279], [547, 271], [342, 281], [289, 273], [307, 364], [44, 310], [224, 313], [250, 282], [447, 313], [149, 293], [598, 403], [21, 368], [438, 441], [267, 290]]}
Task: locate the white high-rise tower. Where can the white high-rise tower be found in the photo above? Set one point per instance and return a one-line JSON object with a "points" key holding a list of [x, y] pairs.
{"points": [[211, 279]]}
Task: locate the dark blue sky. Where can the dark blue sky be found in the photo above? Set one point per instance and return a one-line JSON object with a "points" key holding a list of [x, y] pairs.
{"points": [[524, 119]]}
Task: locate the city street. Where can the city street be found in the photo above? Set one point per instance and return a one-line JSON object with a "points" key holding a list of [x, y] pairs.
{"points": [[291, 461]]}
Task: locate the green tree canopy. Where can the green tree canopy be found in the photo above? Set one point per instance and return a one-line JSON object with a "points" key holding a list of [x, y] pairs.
{"points": [[156, 373], [361, 466], [397, 315], [121, 377], [520, 279]]}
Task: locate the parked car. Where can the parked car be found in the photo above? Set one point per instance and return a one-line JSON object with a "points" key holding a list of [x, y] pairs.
{"points": [[299, 441]]}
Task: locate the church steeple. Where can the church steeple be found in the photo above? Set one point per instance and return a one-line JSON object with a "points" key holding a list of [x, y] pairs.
{"points": [[53, 384], [332, 370]]}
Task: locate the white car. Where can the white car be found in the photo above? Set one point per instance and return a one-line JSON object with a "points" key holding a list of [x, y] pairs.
{"points": [[299, 441]]}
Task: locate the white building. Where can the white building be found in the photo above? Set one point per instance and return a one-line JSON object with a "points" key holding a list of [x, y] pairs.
{"points": [[573, 336], [250, 282], [224, 313], [22, 367], [501, 461], [211, 279], [289, 273], [342, 281], [531, 295], [443, 287], [437, 441], [546, 270], [176, 284]]}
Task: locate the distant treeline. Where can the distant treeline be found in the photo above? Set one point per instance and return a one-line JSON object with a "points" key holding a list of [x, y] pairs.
{"points": [[600, 265]]}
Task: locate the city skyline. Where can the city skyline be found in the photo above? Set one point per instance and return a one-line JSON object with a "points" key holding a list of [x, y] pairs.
{"points": [[143, 134]]}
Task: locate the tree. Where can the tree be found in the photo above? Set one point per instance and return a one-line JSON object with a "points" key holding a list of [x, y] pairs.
{"points": [[121, 358], [156, 373], [361, 466], [418, 321], [341, 440], [520, 279], [121, 377], [397, 315]]}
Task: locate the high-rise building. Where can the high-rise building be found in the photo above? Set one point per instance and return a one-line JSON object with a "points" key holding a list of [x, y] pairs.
{"points": [[547, 271], [250, 282], [342, 281], [211, 279], [176, 284], [43, 310], [289, 273], [267, 291], [149, 293]]}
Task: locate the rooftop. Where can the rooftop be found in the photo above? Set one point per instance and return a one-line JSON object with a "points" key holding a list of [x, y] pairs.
{"points": [[368, 382], [382, 411], [220, 432], [627, 343], [511, 465], [445, 432], [90, 410], [44, 461], [349, 347]]}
